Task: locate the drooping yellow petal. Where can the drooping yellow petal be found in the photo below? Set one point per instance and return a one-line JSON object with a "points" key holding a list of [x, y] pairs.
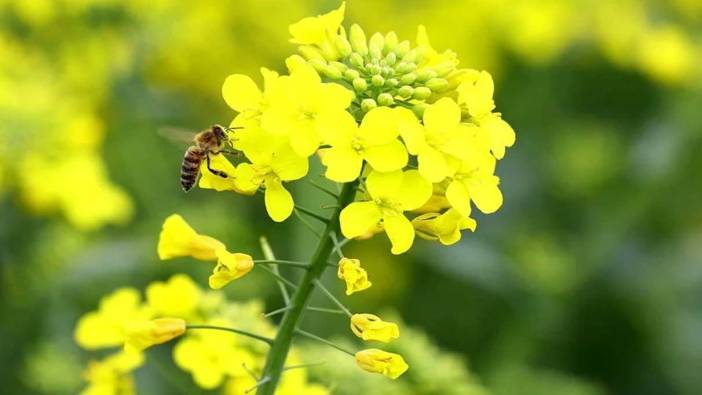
{"points": [[241, 93], [230, 267], [457, 195], [371, 327], [279, 202], [178, 239], [387, 157], [414, 190], [400, 232], [354, 275], [343, 164], [358, 218], [388, 364]]}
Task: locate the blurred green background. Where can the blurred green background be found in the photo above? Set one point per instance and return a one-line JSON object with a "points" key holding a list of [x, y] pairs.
{"points": [[588, 280]]}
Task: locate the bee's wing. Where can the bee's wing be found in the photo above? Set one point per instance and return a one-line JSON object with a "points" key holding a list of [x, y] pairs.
{"points": [[176, 135]]}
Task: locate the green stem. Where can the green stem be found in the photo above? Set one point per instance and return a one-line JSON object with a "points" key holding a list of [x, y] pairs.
{"points": [[275, 361], [280, 262], [323, 340], [233, 330]]}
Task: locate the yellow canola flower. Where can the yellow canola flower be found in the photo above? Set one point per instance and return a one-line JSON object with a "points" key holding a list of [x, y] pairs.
{"points": [[212, 356], [298, 104], [354, 275], [444, 227], [111, 375], [320, 30], [476, 93], [104, 327], [209, 180], [178, 239], [475, 181], [242, 94], [431, 58], [230, 267], [371, 327], [388, 364], [140, 335], [177, 297], [390, 195], [443, 140], [272, 162], [375, 140]]}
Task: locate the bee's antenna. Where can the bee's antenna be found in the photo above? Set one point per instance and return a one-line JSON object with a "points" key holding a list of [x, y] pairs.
{"points": [[228, 128]]}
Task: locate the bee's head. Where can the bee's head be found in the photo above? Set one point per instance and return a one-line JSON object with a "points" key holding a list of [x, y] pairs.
{"points": [[219, 131]]}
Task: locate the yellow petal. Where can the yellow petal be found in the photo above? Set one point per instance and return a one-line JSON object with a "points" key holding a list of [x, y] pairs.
{"points": [[358, 218], [288, 165], [343, 164], [442, 115], [354, 275], [432, 165], [241, 93], [458, 196], [279, 202], [178, 239], [314, 30], [208, 180], [336, 127], [230, 267], [305, 141], [486, 195], [387, 157], [476, 93], [371, 327], [399, 231], [384, 185], [414, 190], [140, 335], [500, 133], [335, 96], [379, 126], [378, 361]]}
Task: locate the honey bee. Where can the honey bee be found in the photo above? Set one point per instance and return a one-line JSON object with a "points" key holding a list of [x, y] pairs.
{"points": [[209, 141]]}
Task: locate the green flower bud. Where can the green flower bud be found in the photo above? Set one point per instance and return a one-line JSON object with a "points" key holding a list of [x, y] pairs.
{"points": [[405, 91], [375, 46], [425, 75], [385, 99], [410, 56], [373, 69], [402, 48], [390, 42], [343, 46], [392, 82], [368, 104], [377, 80], [408, 79], [405, 67], [356, 60], [308, 52], [351, 74], [318, 65], [359, 84], [387, 71], [444, 68], [419, 109], [421, 93], [437, 84], [339, 66], [390, 59], [357, 38], [331, 72]]}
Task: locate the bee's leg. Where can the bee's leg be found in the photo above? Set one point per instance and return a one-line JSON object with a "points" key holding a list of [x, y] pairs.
{"points": [[215, 171]]}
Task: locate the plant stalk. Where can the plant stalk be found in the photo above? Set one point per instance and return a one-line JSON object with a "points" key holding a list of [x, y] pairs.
{"points": [[278, 353]]}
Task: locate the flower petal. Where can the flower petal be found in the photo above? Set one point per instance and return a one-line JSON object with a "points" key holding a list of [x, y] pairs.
{"points": [[343, 164], [358, 218], [279, 202], [432, 165], [458, 196], [241, 93], [442, 115], [387, 157], [384, 185], [400, 232], [486, 195], [414, 190], [379, 126]]}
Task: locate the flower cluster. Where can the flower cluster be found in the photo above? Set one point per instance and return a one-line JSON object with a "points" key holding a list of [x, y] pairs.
{"points": [[214, 359], [418, 134]]}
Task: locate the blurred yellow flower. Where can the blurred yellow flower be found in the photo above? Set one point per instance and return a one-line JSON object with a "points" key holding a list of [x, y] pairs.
{"points": [[111, 375], [319, 30], [105, 327], [390, 195], [178, 239], [177, 297], [375, 141], [354, 275], [444, 227], [378, 361], [142, 334], [371, 327], [230, 266]]}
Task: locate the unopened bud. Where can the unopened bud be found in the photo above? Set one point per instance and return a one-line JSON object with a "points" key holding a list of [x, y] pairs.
{"points": [[357, 38], [390, 59], [373, 69], [405, 91], [392, 82], [419, 109], [444, 68], [368, 104], [351, 74], [339, 66], [387, 71], [377, 80], [425, 75], [318, 65], [402, 48], [405, 67], [375, 46], [390, 42], [437, 84], [356, 60], [421, 93], [408, 79], [331, 72], [410, 56], [343, 46], [359, 84], [385, 99]]}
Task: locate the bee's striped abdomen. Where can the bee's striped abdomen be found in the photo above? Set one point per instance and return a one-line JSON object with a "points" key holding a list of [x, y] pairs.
{"points": [[190, 167]]}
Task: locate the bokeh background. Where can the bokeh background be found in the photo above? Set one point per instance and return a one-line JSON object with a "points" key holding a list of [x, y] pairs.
{"points": [[587, 282]]}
